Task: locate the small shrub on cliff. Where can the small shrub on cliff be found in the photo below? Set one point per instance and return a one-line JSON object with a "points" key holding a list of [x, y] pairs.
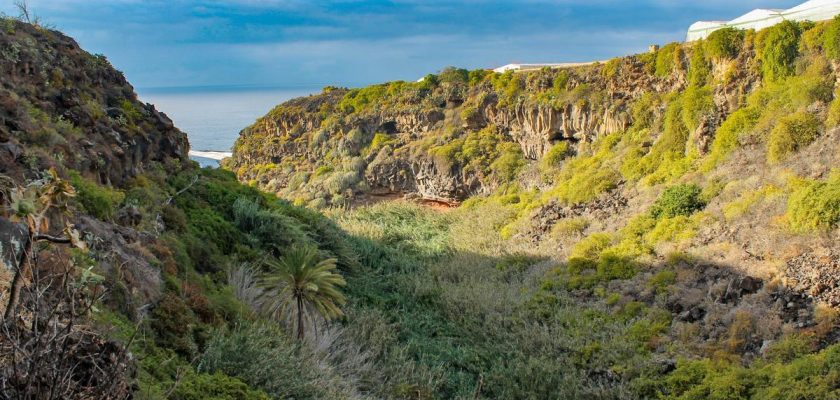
{"points": [[98, 201], [699, 68], [791, 134], [831, 39], [509, 162], [815, 205], [678, 200], [509, 87], [611, 68], [780, 46], [555, 155], [724, 43], [833, 117], [668, 59], [454, 75]]}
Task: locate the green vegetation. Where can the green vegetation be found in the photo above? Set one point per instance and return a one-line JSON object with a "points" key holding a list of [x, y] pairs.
{"points": [[581, 276], [815, 205], [678, 200], [298, 283], [668, 59], [484, 152], [792, 133], [831, 39], [806, 377], [724, 43], [779, 48], [99, 201]]}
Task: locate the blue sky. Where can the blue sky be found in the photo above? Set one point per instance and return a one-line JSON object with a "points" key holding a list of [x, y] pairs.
{"points": [[295, 43]]}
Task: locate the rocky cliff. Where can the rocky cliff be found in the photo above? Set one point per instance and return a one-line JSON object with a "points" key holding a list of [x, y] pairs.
{"points": [[61, 106], [408, 138]]}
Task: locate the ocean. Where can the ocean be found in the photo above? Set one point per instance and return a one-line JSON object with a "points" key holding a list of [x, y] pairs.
{"points": [[213, 117]]}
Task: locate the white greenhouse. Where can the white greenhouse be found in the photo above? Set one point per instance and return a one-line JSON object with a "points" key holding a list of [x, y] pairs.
{"points": [[814, 10]]}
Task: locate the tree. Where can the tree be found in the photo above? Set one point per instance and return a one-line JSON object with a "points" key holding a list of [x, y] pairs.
{"points": [[300, 285], [48, 350], [32, 205]]}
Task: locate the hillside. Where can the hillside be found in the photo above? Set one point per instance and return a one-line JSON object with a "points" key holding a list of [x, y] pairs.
{"points": [[661, 226], [685, 201]]}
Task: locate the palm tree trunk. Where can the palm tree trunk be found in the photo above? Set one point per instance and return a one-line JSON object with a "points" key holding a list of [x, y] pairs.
{"points": [[300, 317]]}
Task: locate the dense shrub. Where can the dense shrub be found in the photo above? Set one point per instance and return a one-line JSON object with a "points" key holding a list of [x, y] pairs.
{"points": [[584, 177], [726, 136], [808, 377], [678, 200], [265, 357], [699, 69], [270, 229], [791, 134], [98, 201], [454, 75], [779, 50], [216, 386], [831, 39], [555, 155], [724, 43], [668, 59], [173, 322], [815, 205], [509, 162]]}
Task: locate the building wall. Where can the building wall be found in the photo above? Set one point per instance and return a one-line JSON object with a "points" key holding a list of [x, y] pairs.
{"points": [[815, 10]]}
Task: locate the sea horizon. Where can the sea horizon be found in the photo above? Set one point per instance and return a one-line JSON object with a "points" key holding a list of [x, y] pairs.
{"points": [[213, 116]]}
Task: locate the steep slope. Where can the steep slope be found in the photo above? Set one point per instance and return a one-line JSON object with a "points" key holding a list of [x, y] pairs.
{"points": [[59, 102], [465, 133], [685, 201]]}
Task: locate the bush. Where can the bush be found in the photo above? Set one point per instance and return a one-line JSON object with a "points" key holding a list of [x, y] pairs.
{"points": [[216, 386], [727, 135], [508, 163], [173, 322], [699, 68], [815, 205], [556, 155], [592, 246], [791, 134], [271, 229], [668, 58], [98, 201], [476, 76], [265, 357], [454, 75], [724, 43], [678, 200], [779, 51], [831, 39]]}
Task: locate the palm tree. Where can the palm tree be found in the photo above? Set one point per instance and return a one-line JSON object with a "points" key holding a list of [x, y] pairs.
{"points": [[300, 285]]}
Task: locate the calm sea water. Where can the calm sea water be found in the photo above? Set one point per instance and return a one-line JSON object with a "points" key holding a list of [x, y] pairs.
{"points": [[213, 117]]}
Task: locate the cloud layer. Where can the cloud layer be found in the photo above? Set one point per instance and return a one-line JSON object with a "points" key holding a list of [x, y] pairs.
{"points": [[295, 43]]}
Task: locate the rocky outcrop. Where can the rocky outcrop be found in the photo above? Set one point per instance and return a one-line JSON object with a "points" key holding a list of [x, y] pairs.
{"points": [[63, 107], [816, 274], [537, 128], [290, 149]]}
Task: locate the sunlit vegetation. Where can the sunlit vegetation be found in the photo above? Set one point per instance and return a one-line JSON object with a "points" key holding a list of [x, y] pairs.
{"points": [[567, 280]]}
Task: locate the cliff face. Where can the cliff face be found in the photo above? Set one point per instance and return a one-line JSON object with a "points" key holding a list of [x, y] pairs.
{"points": [[61, 106], [392, 138]]}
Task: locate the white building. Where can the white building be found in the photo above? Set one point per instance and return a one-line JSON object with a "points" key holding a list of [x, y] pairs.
{"points": [[757, 19], [702, 29], [531, 67], [814, 10]]}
